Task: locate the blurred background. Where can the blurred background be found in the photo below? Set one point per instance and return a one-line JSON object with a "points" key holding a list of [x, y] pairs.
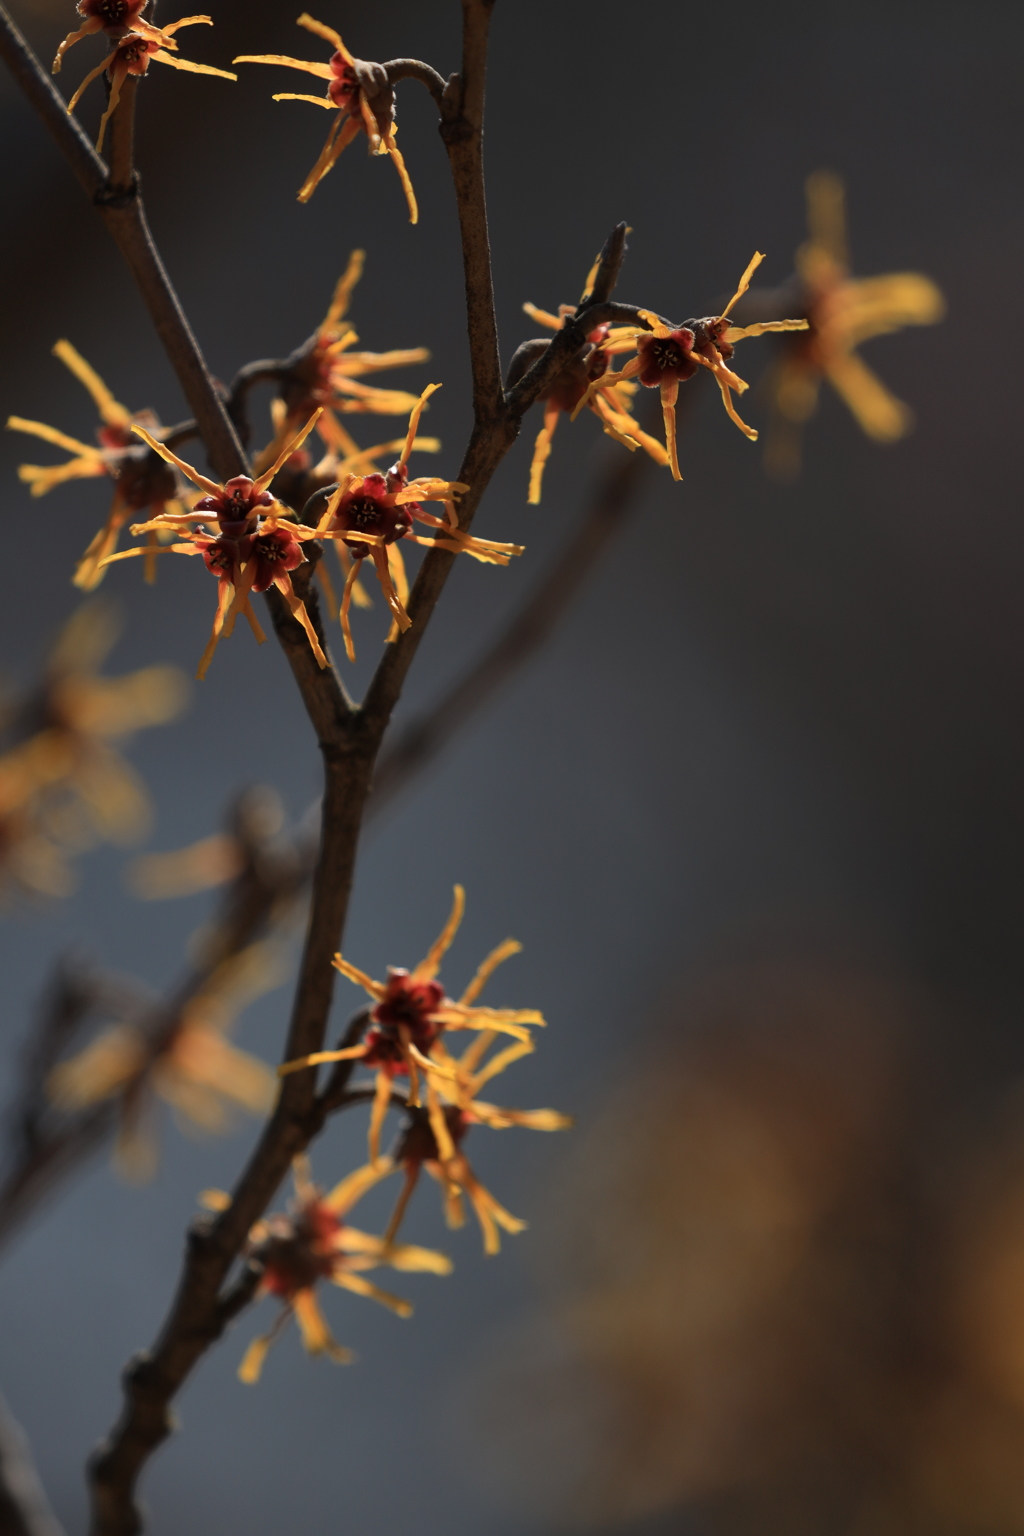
{"points": [[755, 814]]}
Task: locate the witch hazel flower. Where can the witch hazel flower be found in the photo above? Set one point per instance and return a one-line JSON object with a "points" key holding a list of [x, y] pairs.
{"points": [[142, 481], [410, 1015], [370, 513], [133, 56], [668, 356], [571, 387], [419, 1147], [253, 548], [115, 18], [327, 372], [311, 1243], [363, 98]]}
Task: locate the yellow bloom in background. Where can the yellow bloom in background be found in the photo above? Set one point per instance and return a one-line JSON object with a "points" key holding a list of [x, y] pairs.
{"points": [[142, 481], [312, 1243], [843, 311], [63, 786], [188, 1063]]}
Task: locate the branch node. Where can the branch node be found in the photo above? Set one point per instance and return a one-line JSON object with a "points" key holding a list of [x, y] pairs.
{"points": [[111, 196]]}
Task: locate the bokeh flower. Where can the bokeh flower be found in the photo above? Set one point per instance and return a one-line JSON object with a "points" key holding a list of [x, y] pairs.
{"points": [[842, 311], [187, 1061], [312, 1243], [63, 785], [142, 481]]}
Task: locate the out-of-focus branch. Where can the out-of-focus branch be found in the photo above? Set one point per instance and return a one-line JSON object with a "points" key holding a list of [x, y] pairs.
{"points": [[47, 1144], [24, 1510]]}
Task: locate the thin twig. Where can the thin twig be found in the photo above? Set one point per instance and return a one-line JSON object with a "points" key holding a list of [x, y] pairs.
{"points": [[414, 69]]}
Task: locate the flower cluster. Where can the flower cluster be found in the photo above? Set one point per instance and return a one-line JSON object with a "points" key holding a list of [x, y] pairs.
{"points": [[254, 546], [842, 312], [142, 480], [136, 45], [570, 388], [311, 1242], [406, 1038], [369, 513], [363, 98], [62, 784], [667, 356]]}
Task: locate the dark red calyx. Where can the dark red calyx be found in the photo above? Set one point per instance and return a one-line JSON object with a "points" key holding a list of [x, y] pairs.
{"points": [[710, 332], [117, 438], [344, 88], [406, 1009], [134, 53], [666, 357], [144, 479], [275, 554], [371, 509], [114, 15], [298, 1252], [418, 1143], [222, 557], [237, 502]]}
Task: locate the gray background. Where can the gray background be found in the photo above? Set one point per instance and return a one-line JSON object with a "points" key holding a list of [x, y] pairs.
{"points": [[781, 719]]}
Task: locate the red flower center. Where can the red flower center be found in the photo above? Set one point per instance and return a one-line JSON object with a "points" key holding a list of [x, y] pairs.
{"points": [[112, 13], [407, 1008], [372, 509], [300, 1252], [666, 357], [344, 88], [275, 554], [237, 502]]}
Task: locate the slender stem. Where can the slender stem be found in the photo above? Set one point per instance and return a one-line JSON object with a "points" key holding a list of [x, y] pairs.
{"points": [[462, 116], [414, 69], [122, 142]]}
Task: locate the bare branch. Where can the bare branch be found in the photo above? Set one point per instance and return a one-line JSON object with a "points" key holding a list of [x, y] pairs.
{"points": [[609, 264], [462, 114], [413, 69]]}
